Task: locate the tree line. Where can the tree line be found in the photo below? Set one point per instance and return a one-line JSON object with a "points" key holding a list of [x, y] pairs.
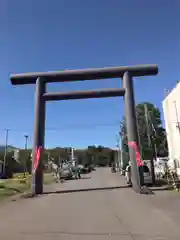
{"points": [[151, 135], [93, 155]]}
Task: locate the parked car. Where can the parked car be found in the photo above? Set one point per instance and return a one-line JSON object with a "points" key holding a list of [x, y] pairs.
{"points": [[92, 167], [80, 166], [146, 173], [113, 169], [128, 175], [66, 172], [160, 167], [84, 169]]}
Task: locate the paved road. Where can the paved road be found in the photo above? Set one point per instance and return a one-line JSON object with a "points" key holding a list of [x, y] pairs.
{"points": [[107, 214]]}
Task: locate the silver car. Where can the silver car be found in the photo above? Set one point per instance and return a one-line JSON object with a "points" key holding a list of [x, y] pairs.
{"points": [[146, 173]]}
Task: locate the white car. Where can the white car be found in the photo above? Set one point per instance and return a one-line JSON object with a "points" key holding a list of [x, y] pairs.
{"points": [[128, 175], [146, 173]]}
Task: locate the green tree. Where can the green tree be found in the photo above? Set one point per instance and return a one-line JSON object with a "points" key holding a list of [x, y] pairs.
{"points": [[156, 131], [93, 155], [123, 133]]}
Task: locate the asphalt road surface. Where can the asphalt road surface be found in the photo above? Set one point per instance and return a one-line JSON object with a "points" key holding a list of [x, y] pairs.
{"points": [[108, 210]]}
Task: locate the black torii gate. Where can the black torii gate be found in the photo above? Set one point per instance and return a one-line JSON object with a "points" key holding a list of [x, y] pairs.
{"points": [[41, 79]]}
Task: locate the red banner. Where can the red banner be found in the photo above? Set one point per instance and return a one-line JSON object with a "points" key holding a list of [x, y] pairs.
{"points": [[37, 158], [139, 161]]}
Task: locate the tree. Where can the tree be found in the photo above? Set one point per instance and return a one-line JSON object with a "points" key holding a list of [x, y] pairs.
{"points": [[123, 133], [93, 155], [156, 131]]}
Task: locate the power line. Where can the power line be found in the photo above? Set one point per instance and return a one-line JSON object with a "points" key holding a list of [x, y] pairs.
{"points": [[70, 127], [13, 130], [82, 126]]}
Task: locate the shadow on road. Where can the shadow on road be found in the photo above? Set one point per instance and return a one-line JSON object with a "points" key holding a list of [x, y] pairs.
{"points": [[85, 177], [161, 185], [30, 195], [82, 178], [161, 188], [84, 190], [149, 191]]}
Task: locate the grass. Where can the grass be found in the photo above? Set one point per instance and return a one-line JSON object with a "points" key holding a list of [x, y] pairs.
{"points": [[18, 184]]}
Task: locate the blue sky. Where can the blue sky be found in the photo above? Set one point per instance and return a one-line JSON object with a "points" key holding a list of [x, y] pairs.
{"points": [[44, 35]]}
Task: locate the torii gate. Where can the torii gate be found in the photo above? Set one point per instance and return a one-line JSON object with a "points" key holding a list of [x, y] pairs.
{"points": [[41, 79]]}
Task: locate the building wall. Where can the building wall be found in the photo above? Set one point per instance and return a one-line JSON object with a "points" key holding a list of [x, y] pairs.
{"points": [[171, 109]]}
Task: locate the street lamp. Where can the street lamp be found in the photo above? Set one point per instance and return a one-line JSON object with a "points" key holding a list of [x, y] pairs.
{"points": [[121, 152], [118, 151], [25, 161], [121, 135], [26, 140]]}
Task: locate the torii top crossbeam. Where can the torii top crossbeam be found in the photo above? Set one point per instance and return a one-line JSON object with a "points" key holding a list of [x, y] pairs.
{"points": [[83, 74]]}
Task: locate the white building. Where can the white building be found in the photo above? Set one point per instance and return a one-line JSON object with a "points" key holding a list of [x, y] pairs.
{"points": [[171, 108]]}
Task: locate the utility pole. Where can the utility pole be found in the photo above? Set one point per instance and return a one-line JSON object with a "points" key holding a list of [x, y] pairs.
{"points": [[150, 143], [121, 135], [49, 159], [177, 118], [118, 155], [121, 156], [139, 136], [5, 150], [25, 161], [154, 144]]}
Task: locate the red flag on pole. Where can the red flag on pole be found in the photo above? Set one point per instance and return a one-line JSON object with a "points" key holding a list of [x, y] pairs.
{"points": [[37, 158], [139, 161]]}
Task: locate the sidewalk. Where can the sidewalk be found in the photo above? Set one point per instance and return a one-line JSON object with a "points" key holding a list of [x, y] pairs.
{"points": [[107, 214]]}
